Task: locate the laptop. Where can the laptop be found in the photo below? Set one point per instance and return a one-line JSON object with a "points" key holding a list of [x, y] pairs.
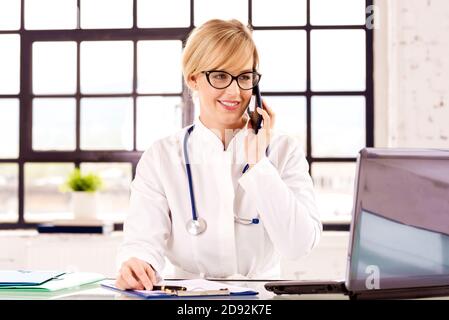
{"points": [[399, 233]]}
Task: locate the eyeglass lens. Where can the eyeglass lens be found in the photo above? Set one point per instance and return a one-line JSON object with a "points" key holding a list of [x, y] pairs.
{"points": [[221, 80]]}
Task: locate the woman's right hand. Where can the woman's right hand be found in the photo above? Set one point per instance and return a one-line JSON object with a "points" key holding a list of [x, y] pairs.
{"points": [[136, 274]]}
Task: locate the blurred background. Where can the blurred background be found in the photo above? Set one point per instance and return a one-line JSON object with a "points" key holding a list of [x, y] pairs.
{"points": [[92, 83]]}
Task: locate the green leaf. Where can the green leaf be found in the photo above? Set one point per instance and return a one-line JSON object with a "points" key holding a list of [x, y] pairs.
{"points": [[79, 182]]}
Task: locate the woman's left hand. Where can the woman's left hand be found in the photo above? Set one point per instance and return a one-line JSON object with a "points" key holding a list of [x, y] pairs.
{"points": [[256, 144]]}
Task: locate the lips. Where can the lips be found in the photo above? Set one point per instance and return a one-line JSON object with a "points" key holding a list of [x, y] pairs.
{"points": [[229, 104]]}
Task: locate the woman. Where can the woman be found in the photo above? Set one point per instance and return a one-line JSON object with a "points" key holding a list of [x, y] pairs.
{"points": [[195, 201]]}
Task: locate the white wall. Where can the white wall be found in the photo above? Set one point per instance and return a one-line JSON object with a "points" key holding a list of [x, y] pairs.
{"points": [[96, 253], [412, 74], [326, 261], [21, 249]]}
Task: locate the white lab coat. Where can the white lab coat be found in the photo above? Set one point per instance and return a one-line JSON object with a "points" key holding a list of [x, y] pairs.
{"points": [[278, 190]]}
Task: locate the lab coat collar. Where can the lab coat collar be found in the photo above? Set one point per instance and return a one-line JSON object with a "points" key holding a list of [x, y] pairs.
{"points": [[206, 135]]}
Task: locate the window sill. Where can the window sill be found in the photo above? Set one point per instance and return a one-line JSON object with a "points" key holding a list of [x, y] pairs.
{"points": [[336, 223]]}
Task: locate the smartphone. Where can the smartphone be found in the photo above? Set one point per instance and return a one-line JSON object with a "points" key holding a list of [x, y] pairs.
{"points": [[255, 117]]}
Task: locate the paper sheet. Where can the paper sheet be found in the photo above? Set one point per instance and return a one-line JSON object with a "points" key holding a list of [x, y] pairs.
{"points": [[203, 285]]}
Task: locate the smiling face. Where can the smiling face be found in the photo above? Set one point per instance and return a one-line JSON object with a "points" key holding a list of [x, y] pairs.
{"points": [[226, 46], [222, 108]]}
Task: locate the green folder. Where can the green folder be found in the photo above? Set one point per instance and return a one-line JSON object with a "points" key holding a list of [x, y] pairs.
{"points": [[64, 281]]}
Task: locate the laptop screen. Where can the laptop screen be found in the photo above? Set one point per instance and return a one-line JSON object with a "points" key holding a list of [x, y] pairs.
{"points": [[401, 227]]}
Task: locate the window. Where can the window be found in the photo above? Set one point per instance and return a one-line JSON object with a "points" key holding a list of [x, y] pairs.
{"points": [[95, 98], [316, 61], [105, 84]]}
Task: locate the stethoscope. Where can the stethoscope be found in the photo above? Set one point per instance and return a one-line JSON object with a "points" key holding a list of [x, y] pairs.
{"points": [[198, 225]]}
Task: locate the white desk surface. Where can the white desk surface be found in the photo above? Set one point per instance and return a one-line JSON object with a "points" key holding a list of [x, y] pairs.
{"points": [[96, 292]]}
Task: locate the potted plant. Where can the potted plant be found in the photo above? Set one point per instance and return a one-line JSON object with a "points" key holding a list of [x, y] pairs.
{"points": [[84, 193]]}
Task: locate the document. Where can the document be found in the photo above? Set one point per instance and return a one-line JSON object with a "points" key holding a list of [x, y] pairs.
{"points": [[190, 288], [26, 277], [63, 281]]}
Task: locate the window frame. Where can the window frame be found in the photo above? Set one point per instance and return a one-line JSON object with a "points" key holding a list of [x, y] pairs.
{"points": [[135, 34]]}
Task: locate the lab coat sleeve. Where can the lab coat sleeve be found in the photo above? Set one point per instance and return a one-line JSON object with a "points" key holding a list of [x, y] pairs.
{"points": [[285, 202], [147, 225]]}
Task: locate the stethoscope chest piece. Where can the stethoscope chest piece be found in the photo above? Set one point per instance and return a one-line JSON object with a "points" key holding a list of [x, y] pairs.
{"points": [[196, 227]]}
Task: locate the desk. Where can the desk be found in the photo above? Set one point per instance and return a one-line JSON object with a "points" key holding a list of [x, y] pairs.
{"points": [[96, 292]]}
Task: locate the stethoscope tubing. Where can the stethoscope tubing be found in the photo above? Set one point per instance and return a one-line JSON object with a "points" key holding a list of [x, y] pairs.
{"points": [[189, 174], [195, 222]]}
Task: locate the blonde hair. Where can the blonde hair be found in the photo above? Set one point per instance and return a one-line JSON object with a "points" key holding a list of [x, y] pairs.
{"points": [[218, 44]]}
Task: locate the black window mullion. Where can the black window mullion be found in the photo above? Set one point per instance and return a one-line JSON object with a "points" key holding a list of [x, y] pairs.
{"points": [[331, 159], [308, 93], [21, 191], [98, 95], [250, 13], [26, 103], [309, 27], [369, 113], [315, 93], [192, 14], [134, 86], [110, 34], [188, 112], [77, 162], [22, 115], [11, 160], [87, 155], [78, 97], [134, 95], [134, 15], [78, 16], [26, 117], [22, 16]]}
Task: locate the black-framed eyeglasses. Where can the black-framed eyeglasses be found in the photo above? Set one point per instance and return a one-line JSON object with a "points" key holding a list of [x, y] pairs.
{"points": [[221, 79]]}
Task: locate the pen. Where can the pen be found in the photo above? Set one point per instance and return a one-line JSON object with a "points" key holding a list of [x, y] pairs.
{"points": [[169, 288]]}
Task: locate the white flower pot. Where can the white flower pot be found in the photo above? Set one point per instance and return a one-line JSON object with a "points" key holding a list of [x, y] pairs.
{"points": [[84, 205]]}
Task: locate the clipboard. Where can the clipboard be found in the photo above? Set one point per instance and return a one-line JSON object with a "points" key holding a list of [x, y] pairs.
{"points": [[194, 288]]}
